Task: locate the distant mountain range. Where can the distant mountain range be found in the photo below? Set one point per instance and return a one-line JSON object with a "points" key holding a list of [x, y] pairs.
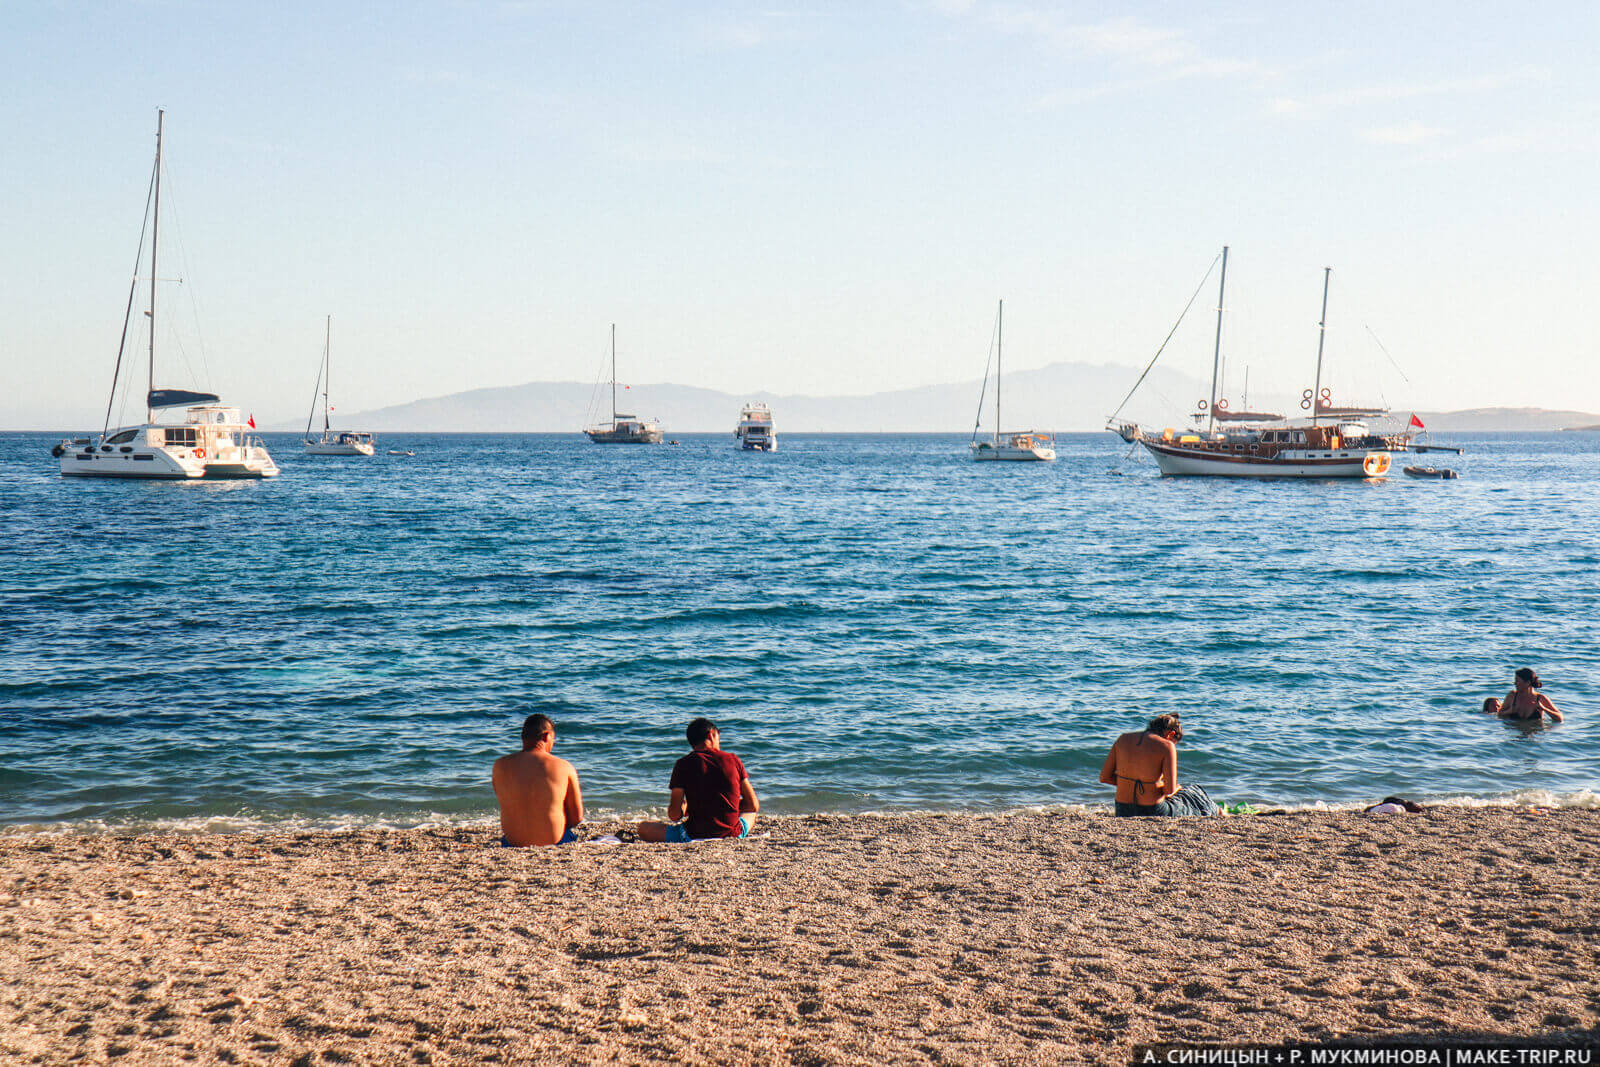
{"points": [[1059, 397], [1062, 396]]}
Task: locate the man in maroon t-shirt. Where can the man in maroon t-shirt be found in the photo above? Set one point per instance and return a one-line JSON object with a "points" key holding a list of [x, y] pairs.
{"points": [[711, 793]]}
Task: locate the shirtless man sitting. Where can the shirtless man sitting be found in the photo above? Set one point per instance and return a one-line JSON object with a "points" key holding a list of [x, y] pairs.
{"points": [[1144, 768], [540, 803]]}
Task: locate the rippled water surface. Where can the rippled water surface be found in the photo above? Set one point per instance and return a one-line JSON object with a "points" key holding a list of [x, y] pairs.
{"points": [[875, 621]]}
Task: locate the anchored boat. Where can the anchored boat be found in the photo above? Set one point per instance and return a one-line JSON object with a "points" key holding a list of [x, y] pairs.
{"points": [[1334, 442], [333, 442], [1028, 445], [755, 432], [623, 429], [213, 441]]}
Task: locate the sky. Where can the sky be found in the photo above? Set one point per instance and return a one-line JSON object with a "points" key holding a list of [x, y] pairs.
{"points": [[817, 198]]}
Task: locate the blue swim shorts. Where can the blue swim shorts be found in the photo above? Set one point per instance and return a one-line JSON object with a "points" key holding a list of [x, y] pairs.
{"points": [[678, 833], [567, 838]]}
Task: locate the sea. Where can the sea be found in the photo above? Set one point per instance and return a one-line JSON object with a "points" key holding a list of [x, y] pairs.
{"points": [[875, 622]]}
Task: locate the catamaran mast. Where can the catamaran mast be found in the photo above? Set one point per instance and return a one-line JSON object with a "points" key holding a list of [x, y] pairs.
{"points": [[999, 336], [613, 376], [1216, 357], [1322, 333], [155, 242]]}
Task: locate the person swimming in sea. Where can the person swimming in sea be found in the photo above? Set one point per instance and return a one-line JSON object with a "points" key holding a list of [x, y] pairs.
{"points": [[1143, 765], [1491, 706], [1525, 701]]}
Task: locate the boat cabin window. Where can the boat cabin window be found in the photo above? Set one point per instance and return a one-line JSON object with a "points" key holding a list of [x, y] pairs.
{"points": [[180, 436], [1299, 437], [122, 438]]}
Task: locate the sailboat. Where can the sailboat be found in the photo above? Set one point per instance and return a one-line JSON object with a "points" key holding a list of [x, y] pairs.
{"points": [[623, 429], [1334, 442], [333, 443], [211, 442], [1028, 445]]}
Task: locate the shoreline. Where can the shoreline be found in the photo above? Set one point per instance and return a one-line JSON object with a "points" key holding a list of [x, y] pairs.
{"points": [[487, 819], [1036, 936]]}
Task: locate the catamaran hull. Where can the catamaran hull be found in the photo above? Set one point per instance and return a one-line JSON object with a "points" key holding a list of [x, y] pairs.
{"points": [[1355, 463], [143, 465]]}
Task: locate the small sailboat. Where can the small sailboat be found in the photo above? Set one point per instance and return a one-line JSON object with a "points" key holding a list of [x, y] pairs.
{"points": [[1028, 445], [755, 432], [333, 442], [623, 429], [1335, 442], [213, 441]]}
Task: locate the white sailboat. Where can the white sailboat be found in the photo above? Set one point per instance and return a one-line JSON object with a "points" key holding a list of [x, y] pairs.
{"points": [[213, 441], [1334, 443], [333, 442], [623, 429], [1024, 446]]}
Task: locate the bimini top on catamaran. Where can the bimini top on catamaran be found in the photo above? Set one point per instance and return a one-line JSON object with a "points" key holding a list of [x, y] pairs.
{"points": [[212, 441], [1334, 441]]}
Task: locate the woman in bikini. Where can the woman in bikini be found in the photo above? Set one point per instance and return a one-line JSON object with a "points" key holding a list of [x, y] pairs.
{"points": [[1526, 702], [1144, 768]]}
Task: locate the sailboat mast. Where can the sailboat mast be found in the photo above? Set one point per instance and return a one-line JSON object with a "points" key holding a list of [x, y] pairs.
{"points": [[613, 376], [1322, 334], [155, 242], [999, 339], [1216, 356], [327, 372]]}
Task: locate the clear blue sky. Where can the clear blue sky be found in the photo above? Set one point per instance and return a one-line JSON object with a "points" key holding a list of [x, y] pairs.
{"points": [[814, 198]]}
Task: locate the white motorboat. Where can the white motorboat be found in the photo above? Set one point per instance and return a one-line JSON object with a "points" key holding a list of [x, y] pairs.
{"points": [[623, 429], [1335, 442], [755, 432], [1026, 445], [213, 441], [333, 442]]}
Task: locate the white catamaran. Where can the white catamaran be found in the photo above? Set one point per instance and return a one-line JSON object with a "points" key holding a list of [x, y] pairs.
{"points": [[333, 442], [623, 429], [1334, 442], [1027, 445], [212, 441]]}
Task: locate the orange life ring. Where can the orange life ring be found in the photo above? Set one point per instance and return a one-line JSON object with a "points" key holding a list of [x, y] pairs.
{"points": [[199, 453]]}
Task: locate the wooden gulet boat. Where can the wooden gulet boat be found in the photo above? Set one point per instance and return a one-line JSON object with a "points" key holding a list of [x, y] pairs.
{"points": [[1334, 443]]}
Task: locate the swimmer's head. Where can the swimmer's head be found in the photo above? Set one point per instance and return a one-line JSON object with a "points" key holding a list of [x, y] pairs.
{"points": [[1491, 706], [536, 728], [1162, 725], [1526, 676]]}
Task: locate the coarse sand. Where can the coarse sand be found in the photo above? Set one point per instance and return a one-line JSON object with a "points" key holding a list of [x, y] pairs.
{"points": [[1024, 937]]}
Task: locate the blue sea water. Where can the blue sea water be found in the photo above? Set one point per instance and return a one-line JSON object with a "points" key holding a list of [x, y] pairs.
{"points": [[876, 623]]}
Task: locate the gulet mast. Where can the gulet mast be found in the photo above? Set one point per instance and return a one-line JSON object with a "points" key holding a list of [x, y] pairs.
{"points": [[613, 376], [1216, 356], [1322, 333]]}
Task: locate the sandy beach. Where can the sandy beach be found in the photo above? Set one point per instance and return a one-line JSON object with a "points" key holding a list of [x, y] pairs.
{"points": [[867, 939]]}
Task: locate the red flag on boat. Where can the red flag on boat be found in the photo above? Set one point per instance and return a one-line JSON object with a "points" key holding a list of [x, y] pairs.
{"points": [[253, 420], [1417, 423]]}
